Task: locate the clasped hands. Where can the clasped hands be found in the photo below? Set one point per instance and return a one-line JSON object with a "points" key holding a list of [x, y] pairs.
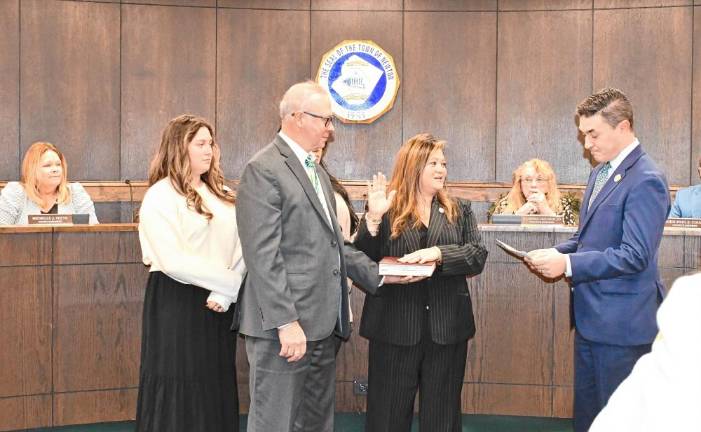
{"points": [[216, 307], [547, 262], [535, 204]]}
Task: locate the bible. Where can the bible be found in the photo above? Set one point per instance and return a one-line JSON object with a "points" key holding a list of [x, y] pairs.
{"points": [[390, 266]]}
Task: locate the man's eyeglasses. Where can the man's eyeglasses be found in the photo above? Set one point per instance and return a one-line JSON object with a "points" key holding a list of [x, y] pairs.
{"points": [[327, 120]]}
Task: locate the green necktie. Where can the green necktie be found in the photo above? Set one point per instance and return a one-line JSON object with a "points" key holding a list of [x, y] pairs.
{"points": [[310, 166]]}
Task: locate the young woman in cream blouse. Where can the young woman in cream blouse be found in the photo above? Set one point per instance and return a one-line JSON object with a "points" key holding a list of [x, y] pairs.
{"points": [[188, 236], [43, 188]]}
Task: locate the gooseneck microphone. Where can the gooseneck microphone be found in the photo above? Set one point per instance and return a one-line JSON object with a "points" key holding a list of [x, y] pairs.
{"points": [[131, 199]]}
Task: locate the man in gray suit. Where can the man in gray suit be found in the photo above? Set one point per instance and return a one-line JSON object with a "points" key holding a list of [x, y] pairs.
{"points": [[295, 299]]}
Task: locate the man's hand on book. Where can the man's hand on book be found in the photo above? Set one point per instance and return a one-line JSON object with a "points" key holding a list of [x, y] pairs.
{"points": [[403, 280], [422, 256]]}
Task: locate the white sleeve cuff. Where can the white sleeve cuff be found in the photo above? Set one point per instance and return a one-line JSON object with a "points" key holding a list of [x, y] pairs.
{"points": [[568, 270], [222, 300]]}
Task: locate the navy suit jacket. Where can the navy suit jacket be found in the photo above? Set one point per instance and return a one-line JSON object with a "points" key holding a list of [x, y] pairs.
{"points": [[615, 279]]}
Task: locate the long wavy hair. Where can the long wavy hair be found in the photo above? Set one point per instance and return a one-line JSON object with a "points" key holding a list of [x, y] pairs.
{"points": [[406, 176], [30, 163], [515, 199], [172, 161]]}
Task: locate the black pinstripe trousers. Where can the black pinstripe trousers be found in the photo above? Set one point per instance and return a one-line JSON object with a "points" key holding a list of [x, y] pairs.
{"points": [[395, 374]]}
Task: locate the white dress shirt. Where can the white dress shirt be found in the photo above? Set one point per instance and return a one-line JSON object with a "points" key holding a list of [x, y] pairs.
{"points": [[302, 156]]}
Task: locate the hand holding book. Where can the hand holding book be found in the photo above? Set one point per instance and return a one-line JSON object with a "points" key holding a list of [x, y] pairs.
{"points": [[421, 263], [432, 254]]}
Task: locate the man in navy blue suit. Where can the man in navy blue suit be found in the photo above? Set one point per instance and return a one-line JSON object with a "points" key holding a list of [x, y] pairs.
{"points": [[612, 258]]}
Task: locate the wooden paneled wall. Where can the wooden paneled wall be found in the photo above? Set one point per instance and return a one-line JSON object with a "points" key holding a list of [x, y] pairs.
{"points": [[499, 79]]}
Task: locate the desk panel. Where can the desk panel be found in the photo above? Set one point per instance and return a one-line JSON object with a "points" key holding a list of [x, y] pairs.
{"points": [[97, 339], [71, 303], [25, 246], [25, 316]]}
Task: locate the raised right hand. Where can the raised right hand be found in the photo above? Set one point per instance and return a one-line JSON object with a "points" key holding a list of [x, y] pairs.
{"points": [[293, 341], [378, 198]]}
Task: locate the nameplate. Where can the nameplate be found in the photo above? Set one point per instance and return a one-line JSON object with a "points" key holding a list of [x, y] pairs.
{"points": [[506, 219], [50, 219], [683, 223], [542, 220]]}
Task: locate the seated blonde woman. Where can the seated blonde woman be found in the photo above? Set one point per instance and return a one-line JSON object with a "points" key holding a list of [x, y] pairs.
{"points": [[43, 189], [535, 192]]}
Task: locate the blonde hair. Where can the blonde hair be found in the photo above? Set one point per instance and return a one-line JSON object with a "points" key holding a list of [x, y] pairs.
{"points": [[30, 163], [515, 199], [172, 161], [406, 175]]}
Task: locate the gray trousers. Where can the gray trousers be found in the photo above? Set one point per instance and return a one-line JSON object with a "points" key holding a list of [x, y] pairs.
{"points": [[291, 397]]}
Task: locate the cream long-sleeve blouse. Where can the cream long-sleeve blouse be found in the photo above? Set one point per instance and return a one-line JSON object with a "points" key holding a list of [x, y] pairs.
{"points": [[186, 246]]}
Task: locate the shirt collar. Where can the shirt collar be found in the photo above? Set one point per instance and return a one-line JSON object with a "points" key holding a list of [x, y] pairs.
{"points": [[615, 162], [296, 148]]}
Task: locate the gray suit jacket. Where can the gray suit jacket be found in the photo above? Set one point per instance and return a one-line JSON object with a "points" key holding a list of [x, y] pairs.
{"points": [[297, 262]]}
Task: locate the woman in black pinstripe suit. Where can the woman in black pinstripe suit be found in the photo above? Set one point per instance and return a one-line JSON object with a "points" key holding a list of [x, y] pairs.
{"points": [[418, 332]]}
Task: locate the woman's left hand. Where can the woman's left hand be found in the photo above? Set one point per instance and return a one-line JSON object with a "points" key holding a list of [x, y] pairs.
{"points": [[216, 307], [422, 256]]}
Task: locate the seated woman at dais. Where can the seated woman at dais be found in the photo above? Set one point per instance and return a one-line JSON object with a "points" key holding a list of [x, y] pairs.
{"points": [[535, 192]]}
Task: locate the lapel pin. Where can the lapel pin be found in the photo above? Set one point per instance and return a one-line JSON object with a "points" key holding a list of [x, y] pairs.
{"points": [[617, 178], [440, 210]]}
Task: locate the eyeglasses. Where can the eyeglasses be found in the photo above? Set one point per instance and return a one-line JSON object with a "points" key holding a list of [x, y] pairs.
{"points": [[327, 120], [538, 180]]}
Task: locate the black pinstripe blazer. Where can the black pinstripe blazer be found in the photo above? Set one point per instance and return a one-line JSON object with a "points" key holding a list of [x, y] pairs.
{"points": [[395, 313]]}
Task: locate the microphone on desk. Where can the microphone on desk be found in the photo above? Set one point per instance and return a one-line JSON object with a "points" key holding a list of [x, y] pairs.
{"points": [[131, 199]]}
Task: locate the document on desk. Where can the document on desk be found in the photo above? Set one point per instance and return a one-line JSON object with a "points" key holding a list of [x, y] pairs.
{"points": [[511, 250]]}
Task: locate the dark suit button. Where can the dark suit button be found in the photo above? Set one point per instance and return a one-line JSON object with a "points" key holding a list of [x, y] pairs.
{"points": [[333, 243], [335, 272]]}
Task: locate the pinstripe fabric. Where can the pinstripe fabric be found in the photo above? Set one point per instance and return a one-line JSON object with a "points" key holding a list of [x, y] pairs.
{"points": [[395, 314], [419, 342], [395, 374]]}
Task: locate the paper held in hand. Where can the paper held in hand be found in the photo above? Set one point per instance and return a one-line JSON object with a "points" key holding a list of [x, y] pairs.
{"points": [[511, 250], [390, 266]]}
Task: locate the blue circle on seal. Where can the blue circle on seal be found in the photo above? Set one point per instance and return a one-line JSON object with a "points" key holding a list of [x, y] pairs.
{"points": [[377, 92]]}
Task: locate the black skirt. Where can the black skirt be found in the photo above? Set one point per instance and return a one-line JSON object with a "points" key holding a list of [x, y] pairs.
{"points": [[188, 376]]}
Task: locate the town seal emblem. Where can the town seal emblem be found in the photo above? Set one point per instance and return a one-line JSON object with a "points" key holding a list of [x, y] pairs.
{"points": [[361, 78]]}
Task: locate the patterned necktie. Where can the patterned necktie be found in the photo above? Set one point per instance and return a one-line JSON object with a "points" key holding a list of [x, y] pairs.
{"points": [[310, 166], [601, 178]]}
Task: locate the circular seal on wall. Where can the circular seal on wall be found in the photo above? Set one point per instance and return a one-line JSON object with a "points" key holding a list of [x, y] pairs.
{"points": [[361, 78]]}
